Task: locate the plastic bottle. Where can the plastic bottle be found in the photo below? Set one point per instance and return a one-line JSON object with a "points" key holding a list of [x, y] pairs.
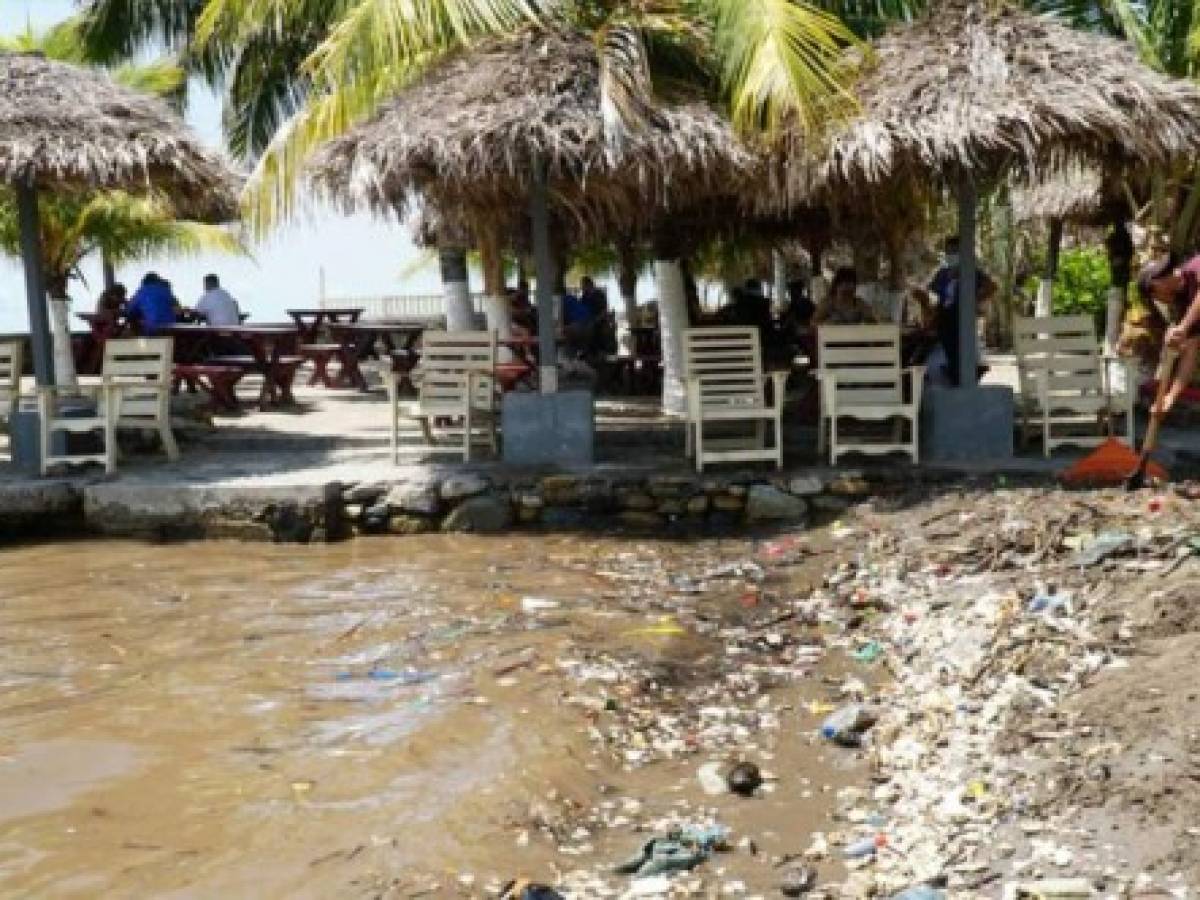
{"points": [[920, 892], [846, 726]]}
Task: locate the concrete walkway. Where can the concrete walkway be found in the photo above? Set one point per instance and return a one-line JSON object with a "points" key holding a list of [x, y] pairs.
{"points": [[343, 436]]}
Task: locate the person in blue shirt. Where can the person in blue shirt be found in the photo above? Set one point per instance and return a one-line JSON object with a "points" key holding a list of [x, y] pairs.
{"points": [[153, 305], [944, 288]]}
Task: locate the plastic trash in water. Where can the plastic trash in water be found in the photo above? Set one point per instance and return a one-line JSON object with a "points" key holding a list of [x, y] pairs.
{"points": [[666, 627], [1052, 604], [538, 604], [1049, 889], [680, 850], [1107, 544], [846, 726], [861, 849], [920, 892], [868, 652]]}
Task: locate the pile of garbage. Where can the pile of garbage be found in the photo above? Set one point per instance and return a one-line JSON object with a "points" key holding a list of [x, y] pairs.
{"points": [[983, 614]]}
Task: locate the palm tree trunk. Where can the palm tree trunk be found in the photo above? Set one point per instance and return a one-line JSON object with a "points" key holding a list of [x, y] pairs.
{"points": [[1045, 298], [460, 314], [673, 320], [110, 271], [627, 279], [779, 273], [496, 306], [60, 328]]}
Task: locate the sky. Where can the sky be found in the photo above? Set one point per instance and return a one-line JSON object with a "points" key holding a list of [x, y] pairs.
{"points": [[360, 255]]}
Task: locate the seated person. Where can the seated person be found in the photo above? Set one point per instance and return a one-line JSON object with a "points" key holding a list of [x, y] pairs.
{"points": [[111, 305], [844, 306], [217, 307], [578, 326], [940, 307], [153, 306], [524, 316]]}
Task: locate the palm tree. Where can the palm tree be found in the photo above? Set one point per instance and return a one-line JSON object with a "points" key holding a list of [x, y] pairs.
{"points": [[117, 225]]}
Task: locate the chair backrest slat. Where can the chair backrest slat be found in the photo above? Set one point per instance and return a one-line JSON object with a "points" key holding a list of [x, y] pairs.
{"points": [[148, 358], [729, 363], [1054, 344], [865, 360], [458, 351], [12, 358]]}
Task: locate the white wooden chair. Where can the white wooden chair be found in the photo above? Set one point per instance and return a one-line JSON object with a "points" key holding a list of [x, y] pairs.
{"points": [[1070, 391], [133, 391], [725, 384], [861, 379], [456, 394], [12, 360]]}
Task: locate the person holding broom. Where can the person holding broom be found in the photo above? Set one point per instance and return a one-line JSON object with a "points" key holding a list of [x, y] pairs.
{"points": [[1172, 290]]}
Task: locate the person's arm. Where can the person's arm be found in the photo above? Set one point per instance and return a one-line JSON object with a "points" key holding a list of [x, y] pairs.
{"points": [[1177, 334]]}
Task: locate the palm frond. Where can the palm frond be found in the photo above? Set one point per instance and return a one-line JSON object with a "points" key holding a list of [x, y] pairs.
{"points": [[781, 61], [379, 32], [626, 93]]}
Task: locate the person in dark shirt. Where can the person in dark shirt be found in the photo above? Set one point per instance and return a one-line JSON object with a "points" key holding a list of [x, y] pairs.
{"points": [[944, 288], [153, 306]]}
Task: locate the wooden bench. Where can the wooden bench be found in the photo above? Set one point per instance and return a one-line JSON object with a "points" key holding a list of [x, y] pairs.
{"points": [[321, 355], [219, 382]]}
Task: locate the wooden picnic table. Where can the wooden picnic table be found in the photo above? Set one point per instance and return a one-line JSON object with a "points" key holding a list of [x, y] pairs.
{"points": [[311, 321], [375, 339], [270, 351]]}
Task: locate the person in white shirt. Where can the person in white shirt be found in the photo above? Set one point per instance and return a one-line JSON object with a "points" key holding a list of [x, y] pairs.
{"points": [[217, 305]]}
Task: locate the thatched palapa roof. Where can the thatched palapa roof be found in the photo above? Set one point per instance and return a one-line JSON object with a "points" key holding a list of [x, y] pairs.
{"points": [[979, 88], [468, 135], [64, 127]]}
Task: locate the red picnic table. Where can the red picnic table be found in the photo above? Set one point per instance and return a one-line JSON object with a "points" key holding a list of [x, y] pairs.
{"points": [[270, 352], [360, 341], [311, 321]]}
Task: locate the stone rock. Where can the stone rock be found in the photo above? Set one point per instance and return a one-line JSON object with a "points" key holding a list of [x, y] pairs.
{"points": [[596, 495], [565, 518], [807, 485], [728, 503], [288, 524], [560, 490], [365, 493], [413, 499], [529, 500], [333, 514], [460, 487], [480, 515], [636, 500], [828, 504], [697, 506], [641, 520], [850, 486], [769, 504], [375, 519], [673, 487], [410, 525]]}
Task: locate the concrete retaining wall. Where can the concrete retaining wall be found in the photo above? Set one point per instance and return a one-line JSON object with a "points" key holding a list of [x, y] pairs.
{"points": [[445, 501]]}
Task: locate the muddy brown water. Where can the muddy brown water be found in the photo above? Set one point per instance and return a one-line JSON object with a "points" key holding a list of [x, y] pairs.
{"points": [[220, 719]]}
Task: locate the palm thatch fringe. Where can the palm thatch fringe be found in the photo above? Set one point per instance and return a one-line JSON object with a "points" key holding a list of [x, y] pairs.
{"points": [[469, 133], [65, 127], [1075, 194], [977, 88]]}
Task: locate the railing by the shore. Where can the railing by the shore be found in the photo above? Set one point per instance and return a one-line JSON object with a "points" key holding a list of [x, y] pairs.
{"points": [[399, 306]]}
